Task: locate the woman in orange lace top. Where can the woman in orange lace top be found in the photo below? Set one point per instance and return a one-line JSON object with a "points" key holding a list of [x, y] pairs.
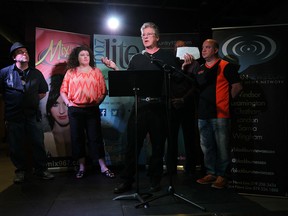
{"points": [[83, 90]]}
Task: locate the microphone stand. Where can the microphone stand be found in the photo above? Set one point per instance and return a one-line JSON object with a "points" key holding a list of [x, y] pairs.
{"points": [[135, 195], [168, 69]]}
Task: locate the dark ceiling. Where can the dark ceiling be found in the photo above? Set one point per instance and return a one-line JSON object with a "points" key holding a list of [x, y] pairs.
{"points": [[18, 18]]}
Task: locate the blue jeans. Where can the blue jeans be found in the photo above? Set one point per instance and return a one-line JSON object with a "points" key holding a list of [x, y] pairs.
{"points": [[214, 142]]}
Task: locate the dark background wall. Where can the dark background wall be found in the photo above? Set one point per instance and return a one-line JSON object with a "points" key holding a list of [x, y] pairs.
{"points": [[18, 18]]}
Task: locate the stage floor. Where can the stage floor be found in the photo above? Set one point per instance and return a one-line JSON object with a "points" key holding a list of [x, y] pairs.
{"points": [[93, 195]]}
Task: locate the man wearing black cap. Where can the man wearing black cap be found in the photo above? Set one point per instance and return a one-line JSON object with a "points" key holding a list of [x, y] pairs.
{"points": [[22, 88]]}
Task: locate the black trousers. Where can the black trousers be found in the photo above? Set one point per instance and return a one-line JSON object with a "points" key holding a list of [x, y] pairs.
{"points": [[152, 119], [85, 125], [184, 117]]}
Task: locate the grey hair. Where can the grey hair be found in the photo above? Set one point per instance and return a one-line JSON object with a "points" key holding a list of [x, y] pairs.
{"points": [[151, 25]]}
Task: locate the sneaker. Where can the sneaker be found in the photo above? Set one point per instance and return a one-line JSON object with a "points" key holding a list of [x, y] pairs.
{"points": [[45, 175], [208, 179], [220, 183], [19, 177]]}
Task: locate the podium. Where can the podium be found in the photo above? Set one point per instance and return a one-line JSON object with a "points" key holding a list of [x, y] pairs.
{"points": [[135, 83]]}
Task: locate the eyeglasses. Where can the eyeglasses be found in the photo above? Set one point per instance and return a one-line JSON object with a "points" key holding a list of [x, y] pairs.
{"points": [[21, 52], [147, 35]]}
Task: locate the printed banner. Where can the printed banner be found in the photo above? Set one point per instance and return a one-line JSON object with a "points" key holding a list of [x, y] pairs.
{"points": [[52, 49], [167, 41], [259, 138], [115, 110]]}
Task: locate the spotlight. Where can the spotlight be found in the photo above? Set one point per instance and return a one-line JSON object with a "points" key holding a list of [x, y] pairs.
{"points": [[113, 23]]}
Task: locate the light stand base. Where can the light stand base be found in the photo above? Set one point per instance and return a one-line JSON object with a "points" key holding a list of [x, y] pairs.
{"points": [[135, 196], [171, 191]]}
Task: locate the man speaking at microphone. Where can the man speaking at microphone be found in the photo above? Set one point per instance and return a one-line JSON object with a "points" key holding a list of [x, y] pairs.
{"points": [[22, 87], [152, 115]]}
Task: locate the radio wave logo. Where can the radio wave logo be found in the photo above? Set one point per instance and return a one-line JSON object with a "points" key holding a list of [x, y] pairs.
{"points": [[249, 50]]}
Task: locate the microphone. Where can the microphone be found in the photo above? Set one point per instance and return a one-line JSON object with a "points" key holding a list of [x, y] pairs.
{"points": [[160, 63], [167, 67]]}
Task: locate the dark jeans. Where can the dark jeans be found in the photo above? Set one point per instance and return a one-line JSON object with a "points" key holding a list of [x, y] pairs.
{"points": [[184, 117], [86, 122], [151, 119], [21, 133]]}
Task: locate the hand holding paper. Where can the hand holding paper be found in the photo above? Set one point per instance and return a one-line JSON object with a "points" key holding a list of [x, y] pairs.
{"points": [[194, 51]]}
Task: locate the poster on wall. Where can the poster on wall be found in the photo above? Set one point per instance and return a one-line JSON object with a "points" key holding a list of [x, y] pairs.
{"points": [[52, 49], [115, 111], [168, 40], [259, 137]]}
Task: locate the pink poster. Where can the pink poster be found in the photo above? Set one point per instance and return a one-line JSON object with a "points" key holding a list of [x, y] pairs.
{"points": [[52, 49]]}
